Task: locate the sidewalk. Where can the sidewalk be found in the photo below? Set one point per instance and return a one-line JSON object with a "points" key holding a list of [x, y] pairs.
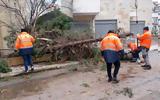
{"points": [[16, 71]]}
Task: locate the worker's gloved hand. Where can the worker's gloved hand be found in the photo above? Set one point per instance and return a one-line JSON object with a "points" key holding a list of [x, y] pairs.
{"points": [[102, 53], [15, 50], [121, 53], [138, 35]]}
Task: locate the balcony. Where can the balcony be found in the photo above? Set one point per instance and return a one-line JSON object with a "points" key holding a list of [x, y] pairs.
{"points": [[86, 7]]}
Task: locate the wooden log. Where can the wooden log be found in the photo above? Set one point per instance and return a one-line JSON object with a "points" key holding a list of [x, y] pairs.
{"points": [[84, 42]]}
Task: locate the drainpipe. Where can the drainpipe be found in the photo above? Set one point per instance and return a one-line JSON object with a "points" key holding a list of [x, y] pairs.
{"points": [[136, 5]]}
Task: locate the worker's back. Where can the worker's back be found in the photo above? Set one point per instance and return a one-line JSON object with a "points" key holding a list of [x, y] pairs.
{"points": [[145, 39], [110, 46], [111, 42], [24, 40]]}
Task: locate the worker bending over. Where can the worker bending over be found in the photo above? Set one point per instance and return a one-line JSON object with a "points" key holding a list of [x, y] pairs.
{"points": [[145, 44], [134, 50], [111, 48], [24, 43]]}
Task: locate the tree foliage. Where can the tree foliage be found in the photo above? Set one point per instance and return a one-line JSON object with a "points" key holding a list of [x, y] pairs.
{"points": [[54, 20]]}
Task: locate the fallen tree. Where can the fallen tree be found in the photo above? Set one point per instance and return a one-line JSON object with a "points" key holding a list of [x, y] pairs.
{"points": [[76, 49]]}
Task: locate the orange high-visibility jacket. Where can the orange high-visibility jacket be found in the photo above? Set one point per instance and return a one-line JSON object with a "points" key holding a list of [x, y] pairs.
{"points": [[24, 40], [133, 46], [111, 42], [145, 39]]}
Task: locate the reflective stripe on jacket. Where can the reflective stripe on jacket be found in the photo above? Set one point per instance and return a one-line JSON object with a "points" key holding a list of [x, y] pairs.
{"points": [[111, 42], [24, 40], [145, 39]]}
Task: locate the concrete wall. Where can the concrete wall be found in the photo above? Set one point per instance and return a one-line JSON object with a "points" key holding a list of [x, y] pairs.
{"points": [[107, 10], [123, 17], [113, 9], [87, 7], [144, 10], [3, 29]]}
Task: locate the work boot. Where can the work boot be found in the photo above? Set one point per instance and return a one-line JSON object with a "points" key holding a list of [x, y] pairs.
{"points": [[25, 71], [110, 79], [144, 66], [138, 61], [32, 68], [148, 67], [115, 81]]}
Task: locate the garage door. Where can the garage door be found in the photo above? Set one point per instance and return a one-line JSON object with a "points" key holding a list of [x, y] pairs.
{"points": [[103, 26], [137, 27]]}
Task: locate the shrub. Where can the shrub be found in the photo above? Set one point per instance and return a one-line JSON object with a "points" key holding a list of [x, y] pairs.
{"points": [[54, 20], [4, 67]]}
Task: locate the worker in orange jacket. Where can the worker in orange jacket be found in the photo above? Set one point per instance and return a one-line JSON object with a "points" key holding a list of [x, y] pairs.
{"points": [[134, 51], [145, 44], [111, 49], [24, 43]]}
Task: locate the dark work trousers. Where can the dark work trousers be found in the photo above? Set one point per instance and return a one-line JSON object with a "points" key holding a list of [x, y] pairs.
{"points": [[116, 70], [135, 54], [26, 54], [27, 61]]}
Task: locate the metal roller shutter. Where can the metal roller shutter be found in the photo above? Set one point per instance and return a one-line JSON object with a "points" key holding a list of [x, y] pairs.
{"points": [[103, 26], [137, 27]]}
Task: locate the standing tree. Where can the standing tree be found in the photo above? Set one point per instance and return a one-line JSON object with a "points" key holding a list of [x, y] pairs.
{"points": [[27, 11]]}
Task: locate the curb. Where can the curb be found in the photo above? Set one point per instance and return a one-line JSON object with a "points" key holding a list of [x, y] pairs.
{"points": [[38, 69]]}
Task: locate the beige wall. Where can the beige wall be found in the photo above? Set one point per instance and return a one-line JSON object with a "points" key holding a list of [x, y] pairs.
{"points": [[3, 29], [123, 17], [115, 10], [107, 11], [145, 11], [86, 7]]}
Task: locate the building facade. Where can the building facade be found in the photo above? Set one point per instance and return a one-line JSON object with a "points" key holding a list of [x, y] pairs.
{"points": [[103, 15]]}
